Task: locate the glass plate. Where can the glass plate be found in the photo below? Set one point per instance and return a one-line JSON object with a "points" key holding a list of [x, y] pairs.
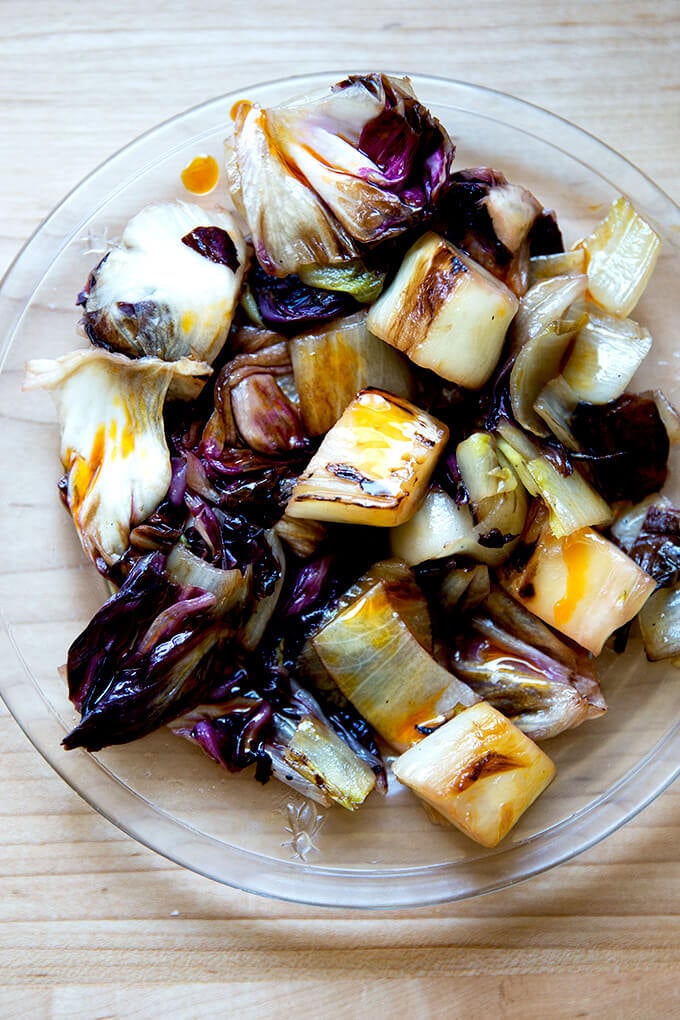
{"points": [[161, 790]]}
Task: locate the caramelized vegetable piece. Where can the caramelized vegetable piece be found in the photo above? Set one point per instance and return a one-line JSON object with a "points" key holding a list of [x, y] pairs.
{"points": [[388, 676], [446, 312], [317, 754], [478, 770], [373, 466], [583, 585], [440, 527], [620, 256], [113, 444], [360, 163], [628, 444], [660, 625], [605, 356], [332, 364], [169, 289]]}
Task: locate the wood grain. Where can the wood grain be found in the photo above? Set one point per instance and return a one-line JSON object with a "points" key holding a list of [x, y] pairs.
{"points": [[92, 925]]}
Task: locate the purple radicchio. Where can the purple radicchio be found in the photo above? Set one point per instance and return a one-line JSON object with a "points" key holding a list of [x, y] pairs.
{"points": [[145, 657], [624, 445], [657, 546], [281, 729], [256, 402]]}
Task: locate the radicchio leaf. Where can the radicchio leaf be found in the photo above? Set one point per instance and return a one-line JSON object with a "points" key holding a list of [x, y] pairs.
{"points": [[492, 220], [144, 658], [290, 306], [214, 244], [625, 444], [657, 547]]}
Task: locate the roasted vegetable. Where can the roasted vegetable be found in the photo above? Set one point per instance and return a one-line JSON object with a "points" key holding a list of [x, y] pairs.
{"points": [[582, 584], [492, 220], [478, 770], [625, 444], [373, 466], [439, 528], [256, 403], [660, 625], [113, 444], [656, 546], [473, 419], [606, 354], [170, 288], [320, 176], [620, 257], [146, 656], [521, 668], [289, 305], [484, 527], [572, 502], [332, 364], [446, 312], [297, 745], [381, 667]]}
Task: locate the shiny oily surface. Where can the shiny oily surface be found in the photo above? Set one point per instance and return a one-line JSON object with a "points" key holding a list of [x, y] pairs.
{"points": [[164, 792]]}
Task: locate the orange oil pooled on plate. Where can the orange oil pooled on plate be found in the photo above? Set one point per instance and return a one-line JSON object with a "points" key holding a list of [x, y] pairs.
{"points": [[200, 176]]}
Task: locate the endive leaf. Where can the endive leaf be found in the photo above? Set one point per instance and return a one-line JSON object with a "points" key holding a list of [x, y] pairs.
{"points": [[113, 443]]}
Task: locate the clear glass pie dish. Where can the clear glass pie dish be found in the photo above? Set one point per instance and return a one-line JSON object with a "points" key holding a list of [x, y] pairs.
{"points": [[164, 792]]}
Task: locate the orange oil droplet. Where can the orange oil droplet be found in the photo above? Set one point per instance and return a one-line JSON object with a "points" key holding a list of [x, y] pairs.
{"points": [[200, 176]]}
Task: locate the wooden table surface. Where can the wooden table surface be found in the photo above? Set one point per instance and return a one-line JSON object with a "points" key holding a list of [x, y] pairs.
{"points": [[91, 924]]}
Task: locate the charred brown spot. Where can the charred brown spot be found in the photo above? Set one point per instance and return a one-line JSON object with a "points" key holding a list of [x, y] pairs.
{"points": [[527, 591], [368, 485], [487, 765], [443, 274]]}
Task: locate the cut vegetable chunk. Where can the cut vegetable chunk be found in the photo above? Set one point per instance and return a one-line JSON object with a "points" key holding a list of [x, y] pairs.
{"points": [[316, 753], [373, 466], [583, 585], [446, 312], [606, 355], [660, 625], [621, 254], [479, 770], [332, 364], [440, 527], [388, 676]]}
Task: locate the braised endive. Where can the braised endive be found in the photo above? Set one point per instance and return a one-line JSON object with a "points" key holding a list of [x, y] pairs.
{"points": [[113, 444]]}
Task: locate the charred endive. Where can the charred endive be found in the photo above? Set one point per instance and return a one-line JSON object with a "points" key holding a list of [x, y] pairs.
{"points": [[333, 363], [298, 746], [375, 659], [543, 690], [446, 312], [317, 178], [373, 466], [170, 287], [113, 444], [479, 771]]}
